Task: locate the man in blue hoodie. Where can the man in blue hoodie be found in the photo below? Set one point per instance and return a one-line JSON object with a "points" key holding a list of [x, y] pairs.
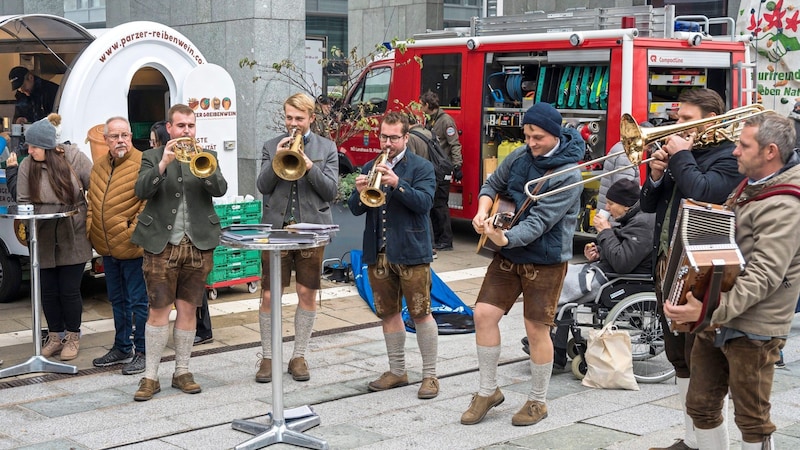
{"points": [[532, 259]]}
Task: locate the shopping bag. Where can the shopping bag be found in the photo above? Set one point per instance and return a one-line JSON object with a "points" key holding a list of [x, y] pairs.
{"points": [[609, 363]]}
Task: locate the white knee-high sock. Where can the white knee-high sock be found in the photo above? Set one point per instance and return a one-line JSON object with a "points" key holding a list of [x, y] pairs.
{"points": [[428, 341], [184, 340], [265, 327], [540, 380], [488, 358], [396, 350], [303, 327], [155, 340]]}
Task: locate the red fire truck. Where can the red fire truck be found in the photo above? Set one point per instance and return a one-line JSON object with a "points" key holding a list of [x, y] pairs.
{"points": [[593, 65]]}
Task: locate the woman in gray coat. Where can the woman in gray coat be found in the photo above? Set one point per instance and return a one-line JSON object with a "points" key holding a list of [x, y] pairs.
{"points": [[58, 174]]}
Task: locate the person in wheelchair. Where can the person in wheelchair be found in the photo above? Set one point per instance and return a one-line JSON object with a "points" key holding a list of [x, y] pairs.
{"points": [[624, 248]]}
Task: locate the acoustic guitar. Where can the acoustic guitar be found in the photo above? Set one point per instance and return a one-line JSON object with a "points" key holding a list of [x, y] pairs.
{"points": [[502, 214]]}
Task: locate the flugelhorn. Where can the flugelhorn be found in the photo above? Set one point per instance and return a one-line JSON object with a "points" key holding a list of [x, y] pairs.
{"points": [[372, 195], [290, 164], [635, 140], [201, 163]]}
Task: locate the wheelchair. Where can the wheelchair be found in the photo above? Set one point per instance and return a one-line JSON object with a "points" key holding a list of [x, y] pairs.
{"points": [[629, 301]]}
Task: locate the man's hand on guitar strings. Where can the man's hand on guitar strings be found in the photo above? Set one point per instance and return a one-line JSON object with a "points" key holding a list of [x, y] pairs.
{"points": [[497, 235], [689, 312]]}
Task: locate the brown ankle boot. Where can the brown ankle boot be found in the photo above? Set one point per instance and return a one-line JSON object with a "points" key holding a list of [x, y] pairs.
{"points": [[53, 345], [72, 343]]}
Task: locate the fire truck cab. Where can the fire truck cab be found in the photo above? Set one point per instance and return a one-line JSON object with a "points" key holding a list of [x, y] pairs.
{"points": [[593, 65]]}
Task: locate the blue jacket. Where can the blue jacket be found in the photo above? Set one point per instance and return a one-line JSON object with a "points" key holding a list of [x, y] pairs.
{"points": [[544, 232], [406, 214]]}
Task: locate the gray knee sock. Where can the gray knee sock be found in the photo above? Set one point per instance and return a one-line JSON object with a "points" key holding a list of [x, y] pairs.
{"points": [[488, 358], [155, 339], [396, 350], [540, 380], [266, 334], [303, 327], [427, 340], [184, 340]]}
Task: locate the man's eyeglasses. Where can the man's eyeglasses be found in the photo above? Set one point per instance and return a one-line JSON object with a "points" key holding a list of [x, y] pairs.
{"points": [[392, 139], [115, 137]]}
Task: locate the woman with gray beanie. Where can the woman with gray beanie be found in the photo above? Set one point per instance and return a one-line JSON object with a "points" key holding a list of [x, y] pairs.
{"points": [[58, 174]]}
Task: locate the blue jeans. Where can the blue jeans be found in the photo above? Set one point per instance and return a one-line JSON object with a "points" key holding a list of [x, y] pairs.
{"points": [[129, 304]]}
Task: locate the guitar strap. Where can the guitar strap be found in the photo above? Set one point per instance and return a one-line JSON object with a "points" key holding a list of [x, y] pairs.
{"points": [[528, 201]]}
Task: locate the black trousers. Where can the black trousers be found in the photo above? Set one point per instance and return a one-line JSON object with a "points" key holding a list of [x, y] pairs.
{"points": [[440, 216], [203, 318]]}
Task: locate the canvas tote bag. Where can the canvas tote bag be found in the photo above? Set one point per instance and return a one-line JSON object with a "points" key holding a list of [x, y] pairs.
{"points": [[608, 360]]}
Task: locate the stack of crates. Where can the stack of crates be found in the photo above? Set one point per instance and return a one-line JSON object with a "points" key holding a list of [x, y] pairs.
{"points": [[231, 264]]}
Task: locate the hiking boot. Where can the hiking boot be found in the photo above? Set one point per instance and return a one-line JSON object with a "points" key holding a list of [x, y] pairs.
{"points": [[481, 405], [298, 369], [52, 344], [137, 365], [72, 343], [388, 380], [147, 389], [186, 383], [114, 356], [264, 374], [429, 388], [530, 414], [677, 445]]}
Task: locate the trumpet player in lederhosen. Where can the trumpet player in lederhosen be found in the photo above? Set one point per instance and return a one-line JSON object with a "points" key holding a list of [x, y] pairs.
{"points": [[299, 178]]}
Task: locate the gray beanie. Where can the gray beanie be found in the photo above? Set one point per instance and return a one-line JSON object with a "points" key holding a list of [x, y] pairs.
{"points": [[544, 116], [41, 134]]}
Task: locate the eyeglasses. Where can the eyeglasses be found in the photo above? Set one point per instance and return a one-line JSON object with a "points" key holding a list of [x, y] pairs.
{"points": [[115, 137], [392, 139]]}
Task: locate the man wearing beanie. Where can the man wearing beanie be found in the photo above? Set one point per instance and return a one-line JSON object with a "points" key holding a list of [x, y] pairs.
{"points": [[540, 242], [623, 248]]}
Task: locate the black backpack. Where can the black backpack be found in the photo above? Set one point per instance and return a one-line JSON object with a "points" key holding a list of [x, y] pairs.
{"points": [[441, 162]]}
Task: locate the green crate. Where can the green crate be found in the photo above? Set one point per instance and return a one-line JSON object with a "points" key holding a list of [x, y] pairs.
{"points": [[248, 213], [217, 274]]}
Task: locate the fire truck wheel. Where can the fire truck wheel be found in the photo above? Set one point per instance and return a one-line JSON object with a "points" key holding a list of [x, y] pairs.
{"points": [[10, 277]]}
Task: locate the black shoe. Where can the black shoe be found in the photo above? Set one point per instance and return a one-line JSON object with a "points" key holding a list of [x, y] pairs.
{"points": [[114, 356], [136, 366], [203, 340], [444, 247], [526, 347]]}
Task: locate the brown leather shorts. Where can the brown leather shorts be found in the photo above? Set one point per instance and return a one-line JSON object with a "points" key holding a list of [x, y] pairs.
{"points": [[178, 272], [307, 265], [390, 282], [540, 286]]}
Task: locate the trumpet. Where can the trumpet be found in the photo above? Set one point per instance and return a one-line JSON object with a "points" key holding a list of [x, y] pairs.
{"points": [[290, 165], [372, 195], [201, 163], [635, 141]]}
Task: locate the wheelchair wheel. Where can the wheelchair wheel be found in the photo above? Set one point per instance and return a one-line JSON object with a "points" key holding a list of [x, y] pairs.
{"points": [[572, 348], [639, 316], [579, 367]]}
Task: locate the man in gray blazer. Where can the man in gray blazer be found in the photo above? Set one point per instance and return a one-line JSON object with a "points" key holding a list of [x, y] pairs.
{"points": [[179, 230], [306, 199]]}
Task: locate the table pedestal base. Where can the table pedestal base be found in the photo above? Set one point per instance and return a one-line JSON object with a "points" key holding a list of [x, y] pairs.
{"points": [[289, 432], [37, 364]]}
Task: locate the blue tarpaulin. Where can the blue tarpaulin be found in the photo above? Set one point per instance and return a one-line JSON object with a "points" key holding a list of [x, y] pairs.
{"points": [[452, 315]]}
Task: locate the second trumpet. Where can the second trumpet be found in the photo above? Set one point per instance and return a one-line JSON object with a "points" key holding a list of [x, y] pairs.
{"points": [[201, 163], [290, 165], [372, 195]]}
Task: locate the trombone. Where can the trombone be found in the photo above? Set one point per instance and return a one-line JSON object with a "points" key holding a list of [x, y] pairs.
{"points": [[201, 163], [290, 165], [724, 127]]}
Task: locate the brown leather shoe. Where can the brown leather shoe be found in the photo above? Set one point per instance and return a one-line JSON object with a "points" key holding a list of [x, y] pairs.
{"points": [[530, 414], [679, 444], [264, 374], [186, 383], [429, 388], [298, 369], [388, 380], [481, 405], [147, 388]]}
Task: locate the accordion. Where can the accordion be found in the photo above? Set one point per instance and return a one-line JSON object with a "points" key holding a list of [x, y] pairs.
{"points": [[703, 259]]}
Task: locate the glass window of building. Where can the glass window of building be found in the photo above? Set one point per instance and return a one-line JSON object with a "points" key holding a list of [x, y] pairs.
{"points": [[89, 13]]}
